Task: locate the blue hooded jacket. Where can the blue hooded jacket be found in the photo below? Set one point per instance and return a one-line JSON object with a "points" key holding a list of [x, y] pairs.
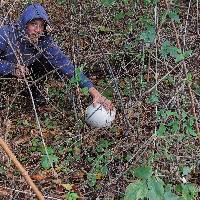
{"points": [[14, 47]]}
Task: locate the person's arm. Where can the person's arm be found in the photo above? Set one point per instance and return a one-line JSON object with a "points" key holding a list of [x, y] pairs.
{"points": [[6, 67], [58, 59]]}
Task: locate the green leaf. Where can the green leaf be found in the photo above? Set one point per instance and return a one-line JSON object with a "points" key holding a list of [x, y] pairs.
{"points": [[184, 115], [170, 113], [85, 91], [156, 189], [150, 2], [189, 77], [104, 170], [91, 179], [174, 124], [161, 130], [154, 97], [174, 16], [72, 196], [49, 123], [169, 195], [187, 53], [119, 16], [49, 150], [161, 114], [135, 191], [174, 51], [143, 172], [77, 75], [125, 1], [189, 191], [149, 35], [2, 170], [108, 2], [186, 170], [197, 91], [190, 130], [178, 189], [46, 163], [108, 93], [165, 49], [147, 2], [170, 80], [104, 144], [191, 121], [179, 58]]}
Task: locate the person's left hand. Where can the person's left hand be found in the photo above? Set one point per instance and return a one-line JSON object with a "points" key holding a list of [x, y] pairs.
{"points": [[21, 71], [98, 98]]}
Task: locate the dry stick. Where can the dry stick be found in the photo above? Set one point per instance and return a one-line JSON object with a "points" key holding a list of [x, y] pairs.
{"points": [[185, 70], [148, 70], [21, 169]]}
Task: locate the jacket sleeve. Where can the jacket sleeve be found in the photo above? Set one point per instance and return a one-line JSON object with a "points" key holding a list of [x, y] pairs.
{"points": [[6, 67], [59, 60]]}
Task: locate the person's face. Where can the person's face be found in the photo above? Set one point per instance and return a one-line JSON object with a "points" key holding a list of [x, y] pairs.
{"points": [[35, 29]]}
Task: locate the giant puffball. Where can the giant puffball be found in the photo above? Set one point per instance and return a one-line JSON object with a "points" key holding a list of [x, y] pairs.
{"points": [[98, 116]]}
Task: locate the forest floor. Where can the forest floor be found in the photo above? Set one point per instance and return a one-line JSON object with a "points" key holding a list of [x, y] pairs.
{"points": [[151, 75]]}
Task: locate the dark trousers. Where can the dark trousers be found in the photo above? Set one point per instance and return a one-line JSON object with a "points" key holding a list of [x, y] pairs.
{"points": [[38, 69]]}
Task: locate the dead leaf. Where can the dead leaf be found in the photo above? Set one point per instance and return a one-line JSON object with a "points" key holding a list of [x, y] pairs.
{"points": [[23, 140], [57, 181], [78, 174], [68, 186], [38, 177], [77, 151], [99, 176]]}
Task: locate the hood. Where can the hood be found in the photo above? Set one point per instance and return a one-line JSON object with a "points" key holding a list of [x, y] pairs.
{"points": [[32, 11]]}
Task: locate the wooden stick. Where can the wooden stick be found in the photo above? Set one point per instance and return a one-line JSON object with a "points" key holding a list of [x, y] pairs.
{"points": [[21, 169]]}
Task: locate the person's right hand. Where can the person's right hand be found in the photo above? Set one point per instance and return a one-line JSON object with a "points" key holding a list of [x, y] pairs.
{"points": [[98, 98], [21, 71]]}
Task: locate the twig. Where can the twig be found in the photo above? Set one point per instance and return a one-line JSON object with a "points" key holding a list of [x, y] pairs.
{"points": [[21, 169]]}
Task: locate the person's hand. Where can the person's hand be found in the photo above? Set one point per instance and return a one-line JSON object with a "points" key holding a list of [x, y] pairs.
{"points": [[21, 71], [98, 98]]}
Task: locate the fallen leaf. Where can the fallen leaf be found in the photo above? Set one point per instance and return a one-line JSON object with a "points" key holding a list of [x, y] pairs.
{"points": [[57, 181], [78, 174], [37, 177], [77, 151], [68, 186], [99, 176], [23, 140]]}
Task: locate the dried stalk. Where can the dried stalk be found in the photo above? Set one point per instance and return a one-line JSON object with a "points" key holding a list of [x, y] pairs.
{"points": [[21, 169]]}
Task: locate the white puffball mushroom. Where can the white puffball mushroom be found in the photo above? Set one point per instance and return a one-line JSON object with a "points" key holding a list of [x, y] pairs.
{"points": [[98, 116]]}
